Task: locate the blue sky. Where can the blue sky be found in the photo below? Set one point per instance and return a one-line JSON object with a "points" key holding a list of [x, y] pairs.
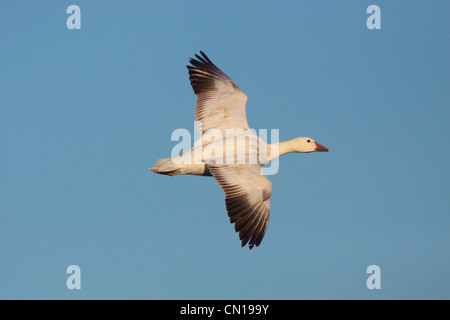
{"points": [[85, 113]]}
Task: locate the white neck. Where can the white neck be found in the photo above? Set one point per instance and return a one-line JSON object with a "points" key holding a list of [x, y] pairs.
{"points": [[276, 150]]}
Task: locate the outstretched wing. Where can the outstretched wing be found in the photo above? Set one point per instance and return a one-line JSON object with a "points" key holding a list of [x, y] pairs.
{"points": [[247, 198], [220, 103]]}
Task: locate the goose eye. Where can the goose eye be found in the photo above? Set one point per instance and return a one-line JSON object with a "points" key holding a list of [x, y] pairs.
{"points": [[309, 141]]}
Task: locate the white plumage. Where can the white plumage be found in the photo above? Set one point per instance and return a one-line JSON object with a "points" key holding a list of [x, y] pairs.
{"points": [[230, 152]]}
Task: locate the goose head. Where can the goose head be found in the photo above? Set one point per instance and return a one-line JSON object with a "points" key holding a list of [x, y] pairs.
{"points": [[305, 144]]}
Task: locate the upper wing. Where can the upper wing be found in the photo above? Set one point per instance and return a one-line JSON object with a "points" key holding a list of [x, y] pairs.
{"points": [[220, 103], [247, 197]]}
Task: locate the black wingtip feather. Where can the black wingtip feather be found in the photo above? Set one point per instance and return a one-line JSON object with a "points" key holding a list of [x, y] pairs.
{"points": [[205, 57], [203, 73]]}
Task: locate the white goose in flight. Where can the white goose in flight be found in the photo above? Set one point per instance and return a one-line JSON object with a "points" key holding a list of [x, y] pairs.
{"points": [[221, 107]]}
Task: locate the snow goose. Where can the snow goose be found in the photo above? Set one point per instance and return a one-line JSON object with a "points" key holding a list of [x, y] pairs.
{"points": [[221, 108]]}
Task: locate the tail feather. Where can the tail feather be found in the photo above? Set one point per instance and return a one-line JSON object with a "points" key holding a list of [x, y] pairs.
{"points": [[166, 166]]}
